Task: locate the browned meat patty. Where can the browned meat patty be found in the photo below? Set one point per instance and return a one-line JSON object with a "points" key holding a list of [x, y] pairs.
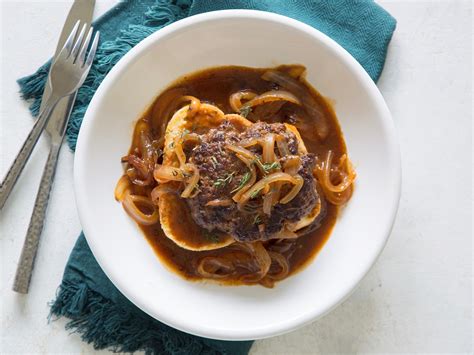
{"points": [[221, 173]]}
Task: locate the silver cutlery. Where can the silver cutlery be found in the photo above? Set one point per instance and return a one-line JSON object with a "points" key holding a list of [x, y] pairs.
{"points": [[68, 72], [80, 10]]}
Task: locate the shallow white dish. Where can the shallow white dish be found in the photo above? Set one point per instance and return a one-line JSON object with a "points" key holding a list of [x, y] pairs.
{"points": [[256, 39]]}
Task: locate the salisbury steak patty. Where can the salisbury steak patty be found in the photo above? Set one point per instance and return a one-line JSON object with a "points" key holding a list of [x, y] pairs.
{"points": [[221, 173]]}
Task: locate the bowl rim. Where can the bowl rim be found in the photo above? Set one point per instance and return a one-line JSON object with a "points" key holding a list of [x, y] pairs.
{"points": [[356, 70]]}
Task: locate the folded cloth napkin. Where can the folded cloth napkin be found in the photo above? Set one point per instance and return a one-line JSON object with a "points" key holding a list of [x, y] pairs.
{"points": [[96, 309]]}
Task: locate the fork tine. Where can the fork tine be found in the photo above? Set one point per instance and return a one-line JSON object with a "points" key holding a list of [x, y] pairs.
{"points": [[82, 54], [95, 42], [77, 44], [66, 50]]}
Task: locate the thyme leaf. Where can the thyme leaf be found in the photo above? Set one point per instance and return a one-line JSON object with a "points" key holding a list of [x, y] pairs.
{"points": [[245, 178], [223, 182], [244, 111]]}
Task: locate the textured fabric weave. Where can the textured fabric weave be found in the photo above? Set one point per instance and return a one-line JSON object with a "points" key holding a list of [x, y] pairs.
{"points": [[96, 309]]}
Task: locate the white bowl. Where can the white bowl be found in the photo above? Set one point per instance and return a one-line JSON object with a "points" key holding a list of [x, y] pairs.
{"points": [[255, 39]]}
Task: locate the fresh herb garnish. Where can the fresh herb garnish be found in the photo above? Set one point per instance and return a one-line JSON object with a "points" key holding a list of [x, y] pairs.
{"points": [[256, 193], [257, 220], [223, 182], [270, 166], [244, 111], [185, 132], [214, 162], [267, 167], [211, 237], [245, 178]]}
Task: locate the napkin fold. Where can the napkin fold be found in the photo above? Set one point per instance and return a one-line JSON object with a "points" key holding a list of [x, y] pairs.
{"points": [[96, 309]]}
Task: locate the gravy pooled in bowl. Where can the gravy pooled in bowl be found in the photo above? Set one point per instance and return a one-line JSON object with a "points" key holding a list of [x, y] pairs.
{"points": [[236, 174]]}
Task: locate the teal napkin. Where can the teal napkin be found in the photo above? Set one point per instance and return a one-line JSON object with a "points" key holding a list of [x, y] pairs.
{"points": [[96, 309]]}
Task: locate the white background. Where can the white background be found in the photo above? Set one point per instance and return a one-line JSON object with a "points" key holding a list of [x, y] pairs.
{"points": [[417, 298]]}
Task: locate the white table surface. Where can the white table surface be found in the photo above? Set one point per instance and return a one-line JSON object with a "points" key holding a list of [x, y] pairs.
{"points": [[418, 296]]}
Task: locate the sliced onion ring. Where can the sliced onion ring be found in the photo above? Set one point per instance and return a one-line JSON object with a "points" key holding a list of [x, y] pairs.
{"points": [[122, 187], [294, 191], [270, 96], [268, 145], [253, 177], [242, 151], [278, 176], [192, 182], [130, 206], [235, 100], [165, 173]]}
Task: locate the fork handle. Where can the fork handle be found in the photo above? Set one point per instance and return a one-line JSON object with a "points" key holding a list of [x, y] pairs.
{"points": [[30, 245], [22, 157]]}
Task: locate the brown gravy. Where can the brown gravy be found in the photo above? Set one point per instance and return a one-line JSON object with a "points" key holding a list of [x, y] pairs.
{"points": [[215, 85]]}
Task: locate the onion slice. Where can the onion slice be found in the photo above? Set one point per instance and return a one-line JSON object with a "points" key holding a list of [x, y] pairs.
{"points": [[268, 145], [235, 100], [192, 181], [130, 206], [219, 202], [260, 185], [271, 96], [165, 173], [282, 262], [122, 187], [242, 151], [294, 191], [253, 177], [159, 191], [292, 164]]}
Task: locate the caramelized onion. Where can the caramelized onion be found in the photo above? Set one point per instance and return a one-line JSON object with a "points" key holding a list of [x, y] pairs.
{"points": [[268, 145], [242, 151], [138, 164], [299, 89], [267, 203], [249, 142], [338, 198], [178, 150], [159, 191], [219, 202], [237, 119], [214, 267], [211, 110], [282, 262], [282, 146], [342, 192], [347, 180], [253, 177], [192, 182], [263, 261], [235, 100], [122, 187], [148, 151], [279, 176], [191, 137], [194, 105], [165, 173], [299, 181], [130, 206], [292, 164], [271, 96], [275, 192]]}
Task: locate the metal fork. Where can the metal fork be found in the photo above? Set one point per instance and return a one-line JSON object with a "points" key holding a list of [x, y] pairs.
{"points": [[67, 74]]}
